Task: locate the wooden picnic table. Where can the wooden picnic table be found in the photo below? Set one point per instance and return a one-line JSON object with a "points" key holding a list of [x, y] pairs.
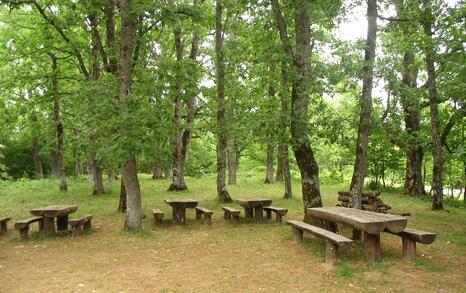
{"points": [[253, 207], [49, 214], [179, 207], [371, 223]]}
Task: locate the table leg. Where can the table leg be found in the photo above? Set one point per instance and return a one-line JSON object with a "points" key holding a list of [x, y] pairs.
{"points": [[357, 235], [49, 225], [176, 216], [371, 247], [248, 213], [258, 213], [62, 223], [182, 213]]}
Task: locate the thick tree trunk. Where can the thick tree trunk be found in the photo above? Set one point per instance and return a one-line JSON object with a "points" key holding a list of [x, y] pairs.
{"points": [[222, 191], [128, 170], [60, 147], [156, 171], [269, 169], [232, 160], [437, 185], [360, 164], [300, 100], [413, 184]]}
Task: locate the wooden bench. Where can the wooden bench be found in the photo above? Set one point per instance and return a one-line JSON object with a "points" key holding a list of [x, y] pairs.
{"points": [[4, 224], [279, 212], [200, 212], [23, 225], [332, 240], [158, 216], [230, 213], [409, 237], [80, 225]]}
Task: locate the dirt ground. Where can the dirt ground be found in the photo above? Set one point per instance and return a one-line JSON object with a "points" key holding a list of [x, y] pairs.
{"points": [[219, 258]]}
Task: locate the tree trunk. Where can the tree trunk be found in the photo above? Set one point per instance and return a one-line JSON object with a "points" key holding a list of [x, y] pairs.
{"points": [[53, 148], [222, 191], [437, 155], [269, 169], [156, 171], [122, 202], [128, 170], [300, 101], [111, 176], [60, 147], [279, 175], [360, 164], [283, 150], [413, 184], [78, 165], [284, 140], [232, 161]]}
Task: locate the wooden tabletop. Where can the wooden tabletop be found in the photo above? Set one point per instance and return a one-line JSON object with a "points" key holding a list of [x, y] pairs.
{"points": [[54, 211], [254, 202], [181, 202], [370, 222]]}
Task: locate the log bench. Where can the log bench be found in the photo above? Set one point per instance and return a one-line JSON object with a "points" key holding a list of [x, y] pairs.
{"points": [[279, 212], [409, 237], [158, 216], [23, 225], [4, 224], [231, 213], [206, 213], [80, 225], [332, 240]]}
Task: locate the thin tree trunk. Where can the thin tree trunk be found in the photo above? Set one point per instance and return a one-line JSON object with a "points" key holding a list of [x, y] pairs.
{"points": [[279, 174], [39, 174], [284, 139], [270, 152], [53, 148], [360, 164], [59, 126], [111, 176], [437, 186], [122, 202], [128, 168], [78, 165], [300, 101], [222, 191]]}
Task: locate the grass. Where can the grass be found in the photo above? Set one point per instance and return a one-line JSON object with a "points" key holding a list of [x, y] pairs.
{"points": [[197, 258]]}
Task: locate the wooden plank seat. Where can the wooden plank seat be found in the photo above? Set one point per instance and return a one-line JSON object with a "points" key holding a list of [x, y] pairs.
{"points": [[279, 212], [158, 216], [231, 213], [206, 213], [332, 240], [4, 224], [23, 225], [409, 237], [80, 225]]}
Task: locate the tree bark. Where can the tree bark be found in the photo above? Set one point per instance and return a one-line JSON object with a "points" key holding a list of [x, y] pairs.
{"points": [[270, 152], [60, 147], [360, 164], [39, 173], [284, 140], [222, 191], [232, 160], [279, 174], [413, 184], [122, 202], [437, 184], [156, 171], [128, 168], [300, 100]]}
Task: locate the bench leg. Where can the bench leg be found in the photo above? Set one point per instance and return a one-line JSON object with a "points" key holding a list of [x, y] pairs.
{"points": [[408, 248], [227, 215], [198, 215], [357, 235], [3, 227], [62, 223], [158, 219], [269, 214], [207, 220], [297, 234], [23, 233], [236, 219], [331, 252], [248, 213], [258, 213], [371, 247], [278, 217], [41, 225], [76, 231], [87, 226]]}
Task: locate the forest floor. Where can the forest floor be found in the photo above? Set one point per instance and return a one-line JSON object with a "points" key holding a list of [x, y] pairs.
{"points": [[222, 257]]}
